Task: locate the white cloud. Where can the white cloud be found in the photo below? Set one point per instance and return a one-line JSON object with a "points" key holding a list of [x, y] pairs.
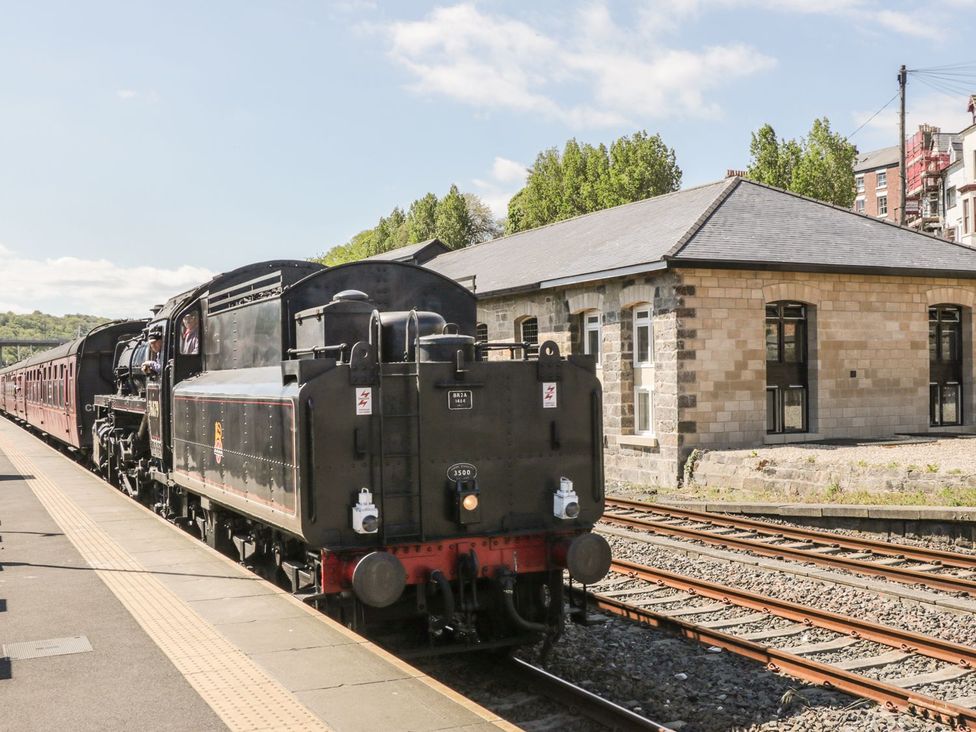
{"points": [[91, 286], [909, 25], [506, 178], [865, 15], [504, 170], [626, 76], [128, 95]]}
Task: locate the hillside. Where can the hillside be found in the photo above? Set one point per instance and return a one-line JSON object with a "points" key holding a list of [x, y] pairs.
{"points": [[41, 325]]}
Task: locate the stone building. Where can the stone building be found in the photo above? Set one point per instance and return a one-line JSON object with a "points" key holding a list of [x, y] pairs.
{"points": [[734, 315]]}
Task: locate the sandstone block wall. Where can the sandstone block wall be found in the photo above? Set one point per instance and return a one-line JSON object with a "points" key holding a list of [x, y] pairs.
{"points": [[710, 369]]}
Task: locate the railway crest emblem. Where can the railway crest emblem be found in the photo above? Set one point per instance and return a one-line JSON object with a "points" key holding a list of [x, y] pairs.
{"points": [[218, 442]]}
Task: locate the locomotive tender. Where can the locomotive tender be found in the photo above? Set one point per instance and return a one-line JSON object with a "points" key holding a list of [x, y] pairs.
{"points": [[342, 427]]}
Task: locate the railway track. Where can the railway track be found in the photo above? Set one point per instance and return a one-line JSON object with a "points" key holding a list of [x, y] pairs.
{"points": [[578, 700], [931, 568], [867, 660]]}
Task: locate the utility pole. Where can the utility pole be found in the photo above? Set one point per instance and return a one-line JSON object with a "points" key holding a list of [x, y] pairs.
{"points": [[902, 79]]}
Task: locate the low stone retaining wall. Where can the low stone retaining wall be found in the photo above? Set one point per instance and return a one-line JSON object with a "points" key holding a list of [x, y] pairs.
{"points": [[810, 476]]}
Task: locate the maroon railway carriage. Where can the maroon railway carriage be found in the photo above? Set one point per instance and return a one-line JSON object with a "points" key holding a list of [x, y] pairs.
{"points": [[54, 391]]}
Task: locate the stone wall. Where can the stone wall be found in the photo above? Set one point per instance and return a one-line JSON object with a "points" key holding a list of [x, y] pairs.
{"points": [[639, 460], [869, 359], [729, 474], [868, 356]]}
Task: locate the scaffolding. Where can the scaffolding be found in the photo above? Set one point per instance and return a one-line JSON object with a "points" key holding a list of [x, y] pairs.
{"points": [[926, 157]]}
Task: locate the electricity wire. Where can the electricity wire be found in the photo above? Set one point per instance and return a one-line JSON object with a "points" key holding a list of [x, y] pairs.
{"points": [[863, 124]]}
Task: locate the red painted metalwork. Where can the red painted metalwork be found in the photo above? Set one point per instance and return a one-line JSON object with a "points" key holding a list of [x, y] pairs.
{"points": [[521, 554]]}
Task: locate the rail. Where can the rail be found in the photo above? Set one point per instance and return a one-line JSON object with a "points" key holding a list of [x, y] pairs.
{"points": [[812, 553], [889, 694], [600, 710]]}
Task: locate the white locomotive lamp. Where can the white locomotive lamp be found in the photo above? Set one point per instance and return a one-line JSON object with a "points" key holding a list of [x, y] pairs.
{"points": [[365, 515], [565, 502]]}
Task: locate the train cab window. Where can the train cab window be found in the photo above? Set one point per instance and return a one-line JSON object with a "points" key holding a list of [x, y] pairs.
{"points": [[190, 334]]}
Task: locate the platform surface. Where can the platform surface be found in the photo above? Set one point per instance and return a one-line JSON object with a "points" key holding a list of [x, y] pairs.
{"points": [[111, 619]]}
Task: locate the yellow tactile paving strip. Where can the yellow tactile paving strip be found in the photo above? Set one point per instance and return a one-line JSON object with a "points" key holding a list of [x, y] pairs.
{"points": [[242, 695], [239, 691]]}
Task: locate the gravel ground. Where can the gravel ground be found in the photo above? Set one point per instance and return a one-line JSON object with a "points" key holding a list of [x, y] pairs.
{"points": [[477, 676], [954, 454], [756, 693], [686, 686]]}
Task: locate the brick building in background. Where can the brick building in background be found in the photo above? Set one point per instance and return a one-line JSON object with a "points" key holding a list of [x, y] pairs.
{"points": [[876, 179], [734, 315]]}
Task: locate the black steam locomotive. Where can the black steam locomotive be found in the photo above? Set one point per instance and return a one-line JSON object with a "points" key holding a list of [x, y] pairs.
{"points": [[341, 427]]}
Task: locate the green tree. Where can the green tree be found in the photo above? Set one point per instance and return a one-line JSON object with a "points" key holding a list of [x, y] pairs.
{"points": [[641, 166], [422, 219], [454, 226], [820, 165], [826, 170], [458, 219], [484, 226], [585, 178], [41, 325]]}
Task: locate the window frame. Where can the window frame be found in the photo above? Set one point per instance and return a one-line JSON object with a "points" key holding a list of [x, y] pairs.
{"points": [[642, 316], [882, 204], [859, 183], [533, 349], [881, 179], [597, 328]]}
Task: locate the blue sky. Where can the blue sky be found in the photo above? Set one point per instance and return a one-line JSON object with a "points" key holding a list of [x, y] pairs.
{"points": [[146, 145]]}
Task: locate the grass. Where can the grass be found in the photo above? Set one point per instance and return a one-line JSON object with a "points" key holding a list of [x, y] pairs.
{"points": [[831, 493], [932, 468]]}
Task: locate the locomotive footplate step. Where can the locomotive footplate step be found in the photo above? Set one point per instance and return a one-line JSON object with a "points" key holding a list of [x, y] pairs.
{"points": [[181, 637]]}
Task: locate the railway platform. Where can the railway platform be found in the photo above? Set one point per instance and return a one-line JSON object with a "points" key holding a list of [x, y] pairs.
{"points": [[111, 618]]}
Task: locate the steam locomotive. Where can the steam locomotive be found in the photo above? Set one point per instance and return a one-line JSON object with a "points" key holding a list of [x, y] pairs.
{"points": [[342, 428]]}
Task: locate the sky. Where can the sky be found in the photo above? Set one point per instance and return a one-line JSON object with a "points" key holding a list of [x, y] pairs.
{"points": [[147, 145]]}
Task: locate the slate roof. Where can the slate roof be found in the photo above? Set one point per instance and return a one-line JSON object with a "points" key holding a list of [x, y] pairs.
{"points": [[635, 233], [414, 253], [883, 158], [762, 225], [730, 223]]}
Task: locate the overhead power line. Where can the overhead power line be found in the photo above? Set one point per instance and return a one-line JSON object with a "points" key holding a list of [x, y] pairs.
{"points": [[864, 124]]}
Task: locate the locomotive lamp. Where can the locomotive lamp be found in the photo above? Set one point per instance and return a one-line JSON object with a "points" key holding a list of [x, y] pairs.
{"points": [[365, 515], [468, 502], [565, 502]]}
